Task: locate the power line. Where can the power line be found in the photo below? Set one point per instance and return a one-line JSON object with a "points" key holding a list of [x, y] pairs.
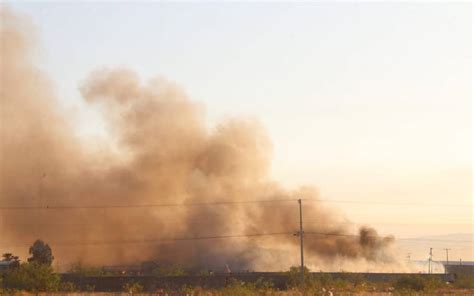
{"points": [[217, 203], [194, 204], [389, 203], [396, 239], [177, 239], [162, 240], [291, 232], [206, 221], [436, 240]]}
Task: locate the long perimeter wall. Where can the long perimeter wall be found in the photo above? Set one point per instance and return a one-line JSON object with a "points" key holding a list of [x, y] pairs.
{"points": [[279, 280]]}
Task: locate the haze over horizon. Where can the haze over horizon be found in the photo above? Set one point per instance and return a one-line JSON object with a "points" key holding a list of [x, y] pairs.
{"points": [[367, 102]]}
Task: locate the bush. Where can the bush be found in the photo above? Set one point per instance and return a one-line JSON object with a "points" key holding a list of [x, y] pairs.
{"points": [[294, 276], [89, 288], [417, 283], [233, 288], [32, 277], [133, 287], [172, 270], [205, 273], [264, 285], [85, 270], [238, 288], [464, 282], [67, 287], [323, 283], [409, 283]]}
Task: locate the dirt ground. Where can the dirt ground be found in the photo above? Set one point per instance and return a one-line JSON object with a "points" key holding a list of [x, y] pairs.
{"points": [[443, 292]]}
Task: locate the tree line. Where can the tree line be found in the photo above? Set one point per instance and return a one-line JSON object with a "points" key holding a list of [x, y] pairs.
{"points": [[35, 275]]}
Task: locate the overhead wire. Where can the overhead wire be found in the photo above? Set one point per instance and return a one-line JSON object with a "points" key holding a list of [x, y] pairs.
{"points": [[217, 203], [158, 240], [178, 239], [192, 204]]}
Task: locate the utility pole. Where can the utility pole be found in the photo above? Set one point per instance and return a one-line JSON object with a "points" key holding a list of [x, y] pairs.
{"points": [[429, 260], [447, 260], [301, 233]]}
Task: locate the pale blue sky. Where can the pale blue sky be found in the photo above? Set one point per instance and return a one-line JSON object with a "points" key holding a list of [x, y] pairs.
{"points": [[366, 101]]}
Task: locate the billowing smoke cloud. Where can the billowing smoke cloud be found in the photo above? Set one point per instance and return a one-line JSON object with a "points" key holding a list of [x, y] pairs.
{"points": [[166, 156]]}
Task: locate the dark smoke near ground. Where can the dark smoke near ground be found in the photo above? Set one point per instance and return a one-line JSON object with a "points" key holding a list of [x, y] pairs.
{"points": [[165, 155]]}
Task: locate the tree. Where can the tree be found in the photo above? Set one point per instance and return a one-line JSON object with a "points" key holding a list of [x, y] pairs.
{"points": [[14, 260], [7, 256], [41, 253]]}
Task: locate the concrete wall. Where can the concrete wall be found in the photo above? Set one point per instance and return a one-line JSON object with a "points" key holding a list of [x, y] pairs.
{"points": [[279, 280]]}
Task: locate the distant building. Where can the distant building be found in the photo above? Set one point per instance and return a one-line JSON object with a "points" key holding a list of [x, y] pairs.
{"points": [[463, 268], [8, 264]]}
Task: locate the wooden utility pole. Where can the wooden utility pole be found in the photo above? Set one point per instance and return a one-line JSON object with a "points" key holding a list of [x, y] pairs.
{"points": [[301, 233], [429, 261]]}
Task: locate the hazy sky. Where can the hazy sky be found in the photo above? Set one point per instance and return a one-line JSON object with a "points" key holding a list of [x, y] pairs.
{"points": [[369, 102]]}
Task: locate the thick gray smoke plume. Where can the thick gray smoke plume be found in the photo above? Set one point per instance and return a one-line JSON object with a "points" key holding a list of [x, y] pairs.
{"points": [[166, 156]]}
